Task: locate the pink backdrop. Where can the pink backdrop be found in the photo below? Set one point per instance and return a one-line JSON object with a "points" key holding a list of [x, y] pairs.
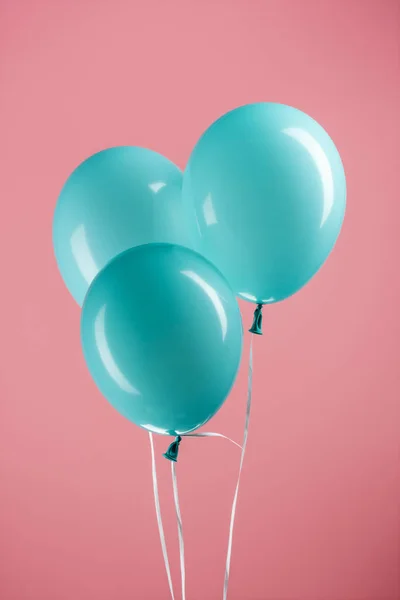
{"points": [[318, 515]]}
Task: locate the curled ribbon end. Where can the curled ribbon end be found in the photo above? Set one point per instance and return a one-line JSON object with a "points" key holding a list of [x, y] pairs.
{"points": [[256, 328], [173, 449]]}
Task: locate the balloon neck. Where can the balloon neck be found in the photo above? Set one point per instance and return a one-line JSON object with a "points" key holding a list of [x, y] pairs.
{"points": [[173, 449], [256, 328]]}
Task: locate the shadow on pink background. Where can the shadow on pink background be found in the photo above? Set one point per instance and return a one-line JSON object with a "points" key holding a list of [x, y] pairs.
{"points": [[318, 515]]}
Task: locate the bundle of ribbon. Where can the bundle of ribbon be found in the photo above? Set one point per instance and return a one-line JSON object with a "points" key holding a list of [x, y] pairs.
{"points": [[157, 258]]}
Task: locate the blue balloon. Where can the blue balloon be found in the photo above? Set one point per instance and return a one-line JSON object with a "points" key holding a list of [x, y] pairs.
{"points": [[161, 333], [117, 199], [268, 188]]}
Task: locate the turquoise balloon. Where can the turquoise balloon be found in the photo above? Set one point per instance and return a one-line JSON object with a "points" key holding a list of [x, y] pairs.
{"points": [[117, 199], [268, 188], [161, 333]]}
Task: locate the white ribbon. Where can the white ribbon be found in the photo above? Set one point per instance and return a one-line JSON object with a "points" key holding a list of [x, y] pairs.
{"points": [[246, 430], [159, 519], [176, 497], [180, 530], [211, 434]]}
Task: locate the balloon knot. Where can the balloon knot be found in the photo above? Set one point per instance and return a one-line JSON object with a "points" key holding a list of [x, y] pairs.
{"points": [[256, 328], [173, 449]]}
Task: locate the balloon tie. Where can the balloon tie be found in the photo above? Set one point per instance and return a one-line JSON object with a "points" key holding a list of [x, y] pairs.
{"points": [[173, 449], [256, 328]]}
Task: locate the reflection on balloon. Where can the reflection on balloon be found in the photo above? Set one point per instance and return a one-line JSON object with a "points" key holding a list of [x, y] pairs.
{"points": [[322, 163], [215, 299], [106, 356]]}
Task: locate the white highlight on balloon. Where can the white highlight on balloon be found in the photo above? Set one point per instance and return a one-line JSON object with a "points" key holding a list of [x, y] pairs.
{"points": [[215, 299], [252, 298], [157, 186], [208, 211], [321, 160], [248, 296], [82, 255], [106, 356], [198, 225], [155, 429]]}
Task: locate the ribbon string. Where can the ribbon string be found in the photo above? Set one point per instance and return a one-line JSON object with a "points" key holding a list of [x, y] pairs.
{"points": [[212, 434], [159, 519], [246, 430], [180, 529]]}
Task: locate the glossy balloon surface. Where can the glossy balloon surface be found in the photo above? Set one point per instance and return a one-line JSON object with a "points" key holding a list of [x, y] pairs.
{"points": [[162, 336], [116, 199], [268, 187]]}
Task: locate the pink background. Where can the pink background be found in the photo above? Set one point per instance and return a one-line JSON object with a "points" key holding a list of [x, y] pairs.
{"points": [[319, 509]]}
